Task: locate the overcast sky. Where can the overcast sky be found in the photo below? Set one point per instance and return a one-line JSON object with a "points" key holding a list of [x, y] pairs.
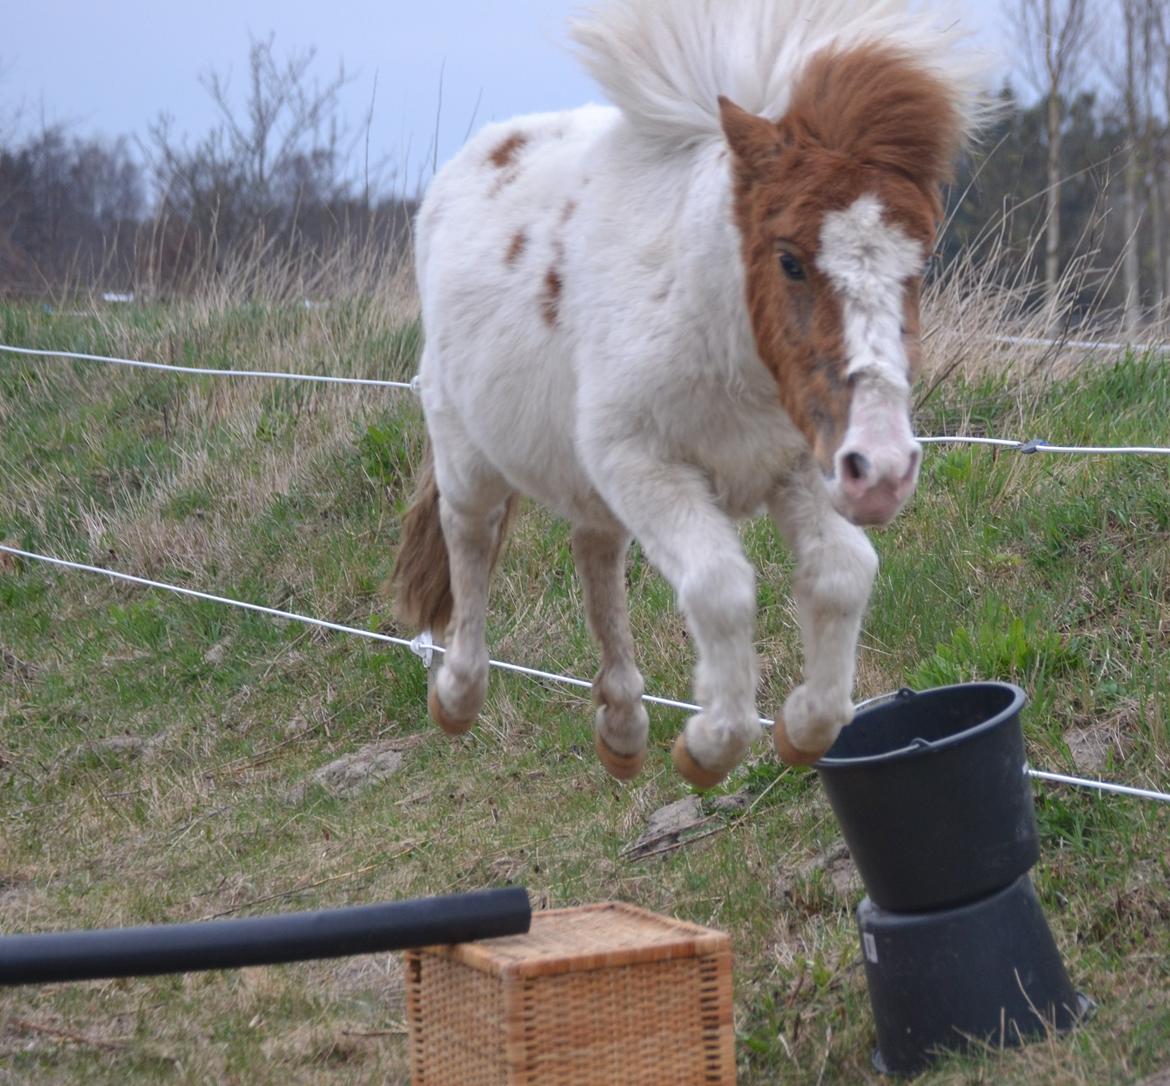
{"points": [[112, 68]]}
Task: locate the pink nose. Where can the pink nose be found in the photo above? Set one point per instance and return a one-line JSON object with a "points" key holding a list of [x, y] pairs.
{"points": [[872, 493]]}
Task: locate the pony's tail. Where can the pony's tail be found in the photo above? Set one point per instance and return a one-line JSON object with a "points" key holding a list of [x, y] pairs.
{"points": [[422, 571]]}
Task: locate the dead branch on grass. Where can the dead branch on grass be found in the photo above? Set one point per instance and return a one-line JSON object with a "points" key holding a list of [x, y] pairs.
{"points": [[305, 887]]}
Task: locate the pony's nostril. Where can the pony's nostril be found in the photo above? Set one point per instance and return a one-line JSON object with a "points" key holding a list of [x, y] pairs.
{"points": [[855, 467]]}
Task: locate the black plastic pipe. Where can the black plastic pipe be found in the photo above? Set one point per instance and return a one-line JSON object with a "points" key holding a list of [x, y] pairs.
{"points": [[262, 940]]}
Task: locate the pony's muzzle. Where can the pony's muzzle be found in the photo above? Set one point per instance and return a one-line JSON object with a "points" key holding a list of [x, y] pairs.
{"points": [[871, 486]]}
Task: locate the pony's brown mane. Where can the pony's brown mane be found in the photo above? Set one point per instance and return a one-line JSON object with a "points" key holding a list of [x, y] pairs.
{"points": [[876, 107]]}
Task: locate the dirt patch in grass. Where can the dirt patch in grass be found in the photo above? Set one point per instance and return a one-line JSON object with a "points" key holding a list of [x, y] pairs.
{"points": [[834, 869], [1097, 743]]}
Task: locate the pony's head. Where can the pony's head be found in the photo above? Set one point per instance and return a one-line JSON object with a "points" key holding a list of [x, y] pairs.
{"points": [[837, 204]]}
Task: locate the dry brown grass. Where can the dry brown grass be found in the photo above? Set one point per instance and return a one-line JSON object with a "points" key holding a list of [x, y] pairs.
{"points": [[981, 311]]}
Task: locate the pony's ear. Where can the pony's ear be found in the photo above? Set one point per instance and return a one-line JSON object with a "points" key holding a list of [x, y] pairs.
{"points": [[755, 141]]}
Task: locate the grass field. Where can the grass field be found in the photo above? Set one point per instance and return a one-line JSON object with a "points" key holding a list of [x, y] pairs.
{"points": [[157, 755]]}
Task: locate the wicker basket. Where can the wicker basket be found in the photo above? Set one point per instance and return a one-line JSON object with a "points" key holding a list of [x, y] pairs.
{"points": [[605, 995]]}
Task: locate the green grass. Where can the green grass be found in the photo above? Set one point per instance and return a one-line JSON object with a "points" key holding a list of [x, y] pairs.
{"points": [[1047, 571]]}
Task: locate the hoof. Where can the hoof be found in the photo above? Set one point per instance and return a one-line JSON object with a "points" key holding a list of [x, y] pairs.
{"points": [[690, 769], [789, 754], [439, 715], [625, 767]]}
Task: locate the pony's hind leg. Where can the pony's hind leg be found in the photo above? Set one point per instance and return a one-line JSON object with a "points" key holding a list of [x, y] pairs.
{"points": [[621, 724], [474, 519]]}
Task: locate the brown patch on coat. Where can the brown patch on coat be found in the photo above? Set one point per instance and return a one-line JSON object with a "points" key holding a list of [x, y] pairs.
{"points": [[550, 297], [553, 287], [505, 154], [516, 248], [864, 121]]}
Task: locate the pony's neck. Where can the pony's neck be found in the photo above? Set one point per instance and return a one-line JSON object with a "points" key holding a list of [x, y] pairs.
{"points": [[711, 255], [670, 222]]}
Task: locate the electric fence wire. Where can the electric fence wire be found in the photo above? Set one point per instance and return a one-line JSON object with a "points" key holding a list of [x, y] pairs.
{"points": [[1025, 447], [198, 371], [423, 647]]}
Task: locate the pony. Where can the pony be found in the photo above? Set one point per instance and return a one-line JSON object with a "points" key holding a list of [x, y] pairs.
{"points": [[662, 316]]}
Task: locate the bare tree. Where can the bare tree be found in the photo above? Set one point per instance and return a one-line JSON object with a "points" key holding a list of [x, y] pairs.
{"points": [[283, 148], [1135, 14], [1053, 36], [1150, 163], [1159, 25]]}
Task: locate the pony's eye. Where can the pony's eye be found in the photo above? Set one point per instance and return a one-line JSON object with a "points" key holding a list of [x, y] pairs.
{"points": [[791, 266]]}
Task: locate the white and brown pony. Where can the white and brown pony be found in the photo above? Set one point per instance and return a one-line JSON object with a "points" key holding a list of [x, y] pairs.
{"points": [[659, 318]]}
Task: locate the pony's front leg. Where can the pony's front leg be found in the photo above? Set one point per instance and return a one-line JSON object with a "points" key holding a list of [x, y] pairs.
{"points": [[835, 568], [622, 724], [671, 512]]}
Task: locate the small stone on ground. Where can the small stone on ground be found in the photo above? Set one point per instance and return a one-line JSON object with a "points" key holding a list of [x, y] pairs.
{"points": [[355, 772], [667, 825], [671, 825], [114, 746]]}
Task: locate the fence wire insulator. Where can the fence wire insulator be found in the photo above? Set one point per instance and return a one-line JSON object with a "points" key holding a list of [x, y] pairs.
{"points": [[423, 647]]}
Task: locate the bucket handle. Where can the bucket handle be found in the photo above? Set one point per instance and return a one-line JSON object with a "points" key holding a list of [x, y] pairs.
{"points": [[918, 743], [899, 695], [904, 694]]}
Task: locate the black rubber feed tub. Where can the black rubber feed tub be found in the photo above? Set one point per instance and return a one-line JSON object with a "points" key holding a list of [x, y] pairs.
{"points": [[988, 972], [932, 795]]}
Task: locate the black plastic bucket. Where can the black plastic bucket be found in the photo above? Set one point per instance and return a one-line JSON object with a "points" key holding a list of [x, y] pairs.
{"points": [[986, 972], [932, 795]]}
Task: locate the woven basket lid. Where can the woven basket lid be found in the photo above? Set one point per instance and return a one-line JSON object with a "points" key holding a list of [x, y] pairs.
{"points": [[587, 938]]}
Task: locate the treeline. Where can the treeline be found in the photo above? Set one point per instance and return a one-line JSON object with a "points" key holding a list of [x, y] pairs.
{"points": [[69, 208], [1077, 186], [1000, 212], [273, 179]]}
